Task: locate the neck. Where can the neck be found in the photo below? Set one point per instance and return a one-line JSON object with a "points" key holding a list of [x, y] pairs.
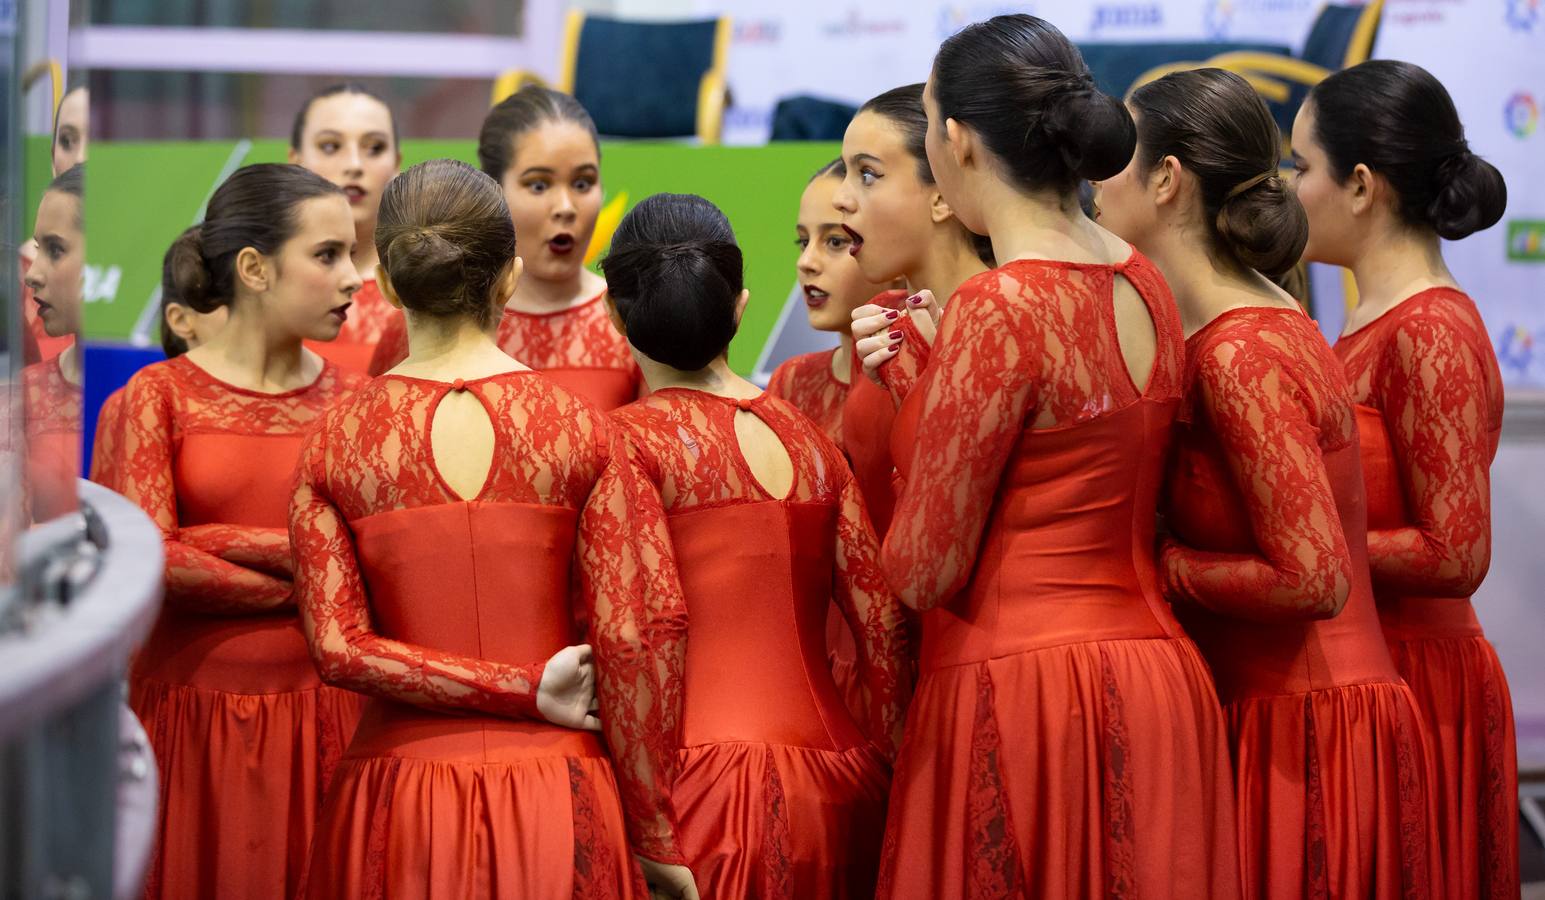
{"points": [[1205, 288], [1039, 226], [434, 341], [365, 257], [950, 260], [69, 363], [250, 349], [715, 378], [1394, 267], [546, 295], [842, 360]]}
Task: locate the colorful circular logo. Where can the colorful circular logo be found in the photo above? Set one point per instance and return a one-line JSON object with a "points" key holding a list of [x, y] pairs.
{"points": [[1521, 114]]}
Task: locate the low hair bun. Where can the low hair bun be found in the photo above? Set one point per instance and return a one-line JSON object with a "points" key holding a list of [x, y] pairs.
{"points": [[1264, 226], [188, 275], [1093, 131], [1471, 196]]}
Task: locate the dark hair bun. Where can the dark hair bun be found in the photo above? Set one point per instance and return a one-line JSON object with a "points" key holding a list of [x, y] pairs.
{"points": [[675, 274], [427, 267], [188, 272], [1471, 196], [1264, 226], [1093, 131]]}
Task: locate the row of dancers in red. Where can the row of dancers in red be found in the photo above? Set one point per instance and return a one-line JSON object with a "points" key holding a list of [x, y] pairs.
{"points": [[1106, 577]]}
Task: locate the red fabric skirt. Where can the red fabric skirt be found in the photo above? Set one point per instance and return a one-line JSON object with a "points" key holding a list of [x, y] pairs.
{"points": [[773, 821], [1096, 769], [1332, 794], [246, 738], [1439, 649], [444, 806]]}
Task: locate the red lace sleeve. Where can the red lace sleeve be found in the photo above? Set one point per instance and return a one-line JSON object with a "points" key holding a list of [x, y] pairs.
{"points": [[901, 373], [629, 582], [264, 549], [1265, 424], [195, 579], [335, 617], [875, 617], [392, 348], [1434, 390], [105, 451], [974, 410]]}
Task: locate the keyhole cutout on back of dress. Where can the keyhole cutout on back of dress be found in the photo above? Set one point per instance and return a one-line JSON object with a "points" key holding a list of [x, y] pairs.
{"points": [[764, 454], [1135, 332], [461, 441]]}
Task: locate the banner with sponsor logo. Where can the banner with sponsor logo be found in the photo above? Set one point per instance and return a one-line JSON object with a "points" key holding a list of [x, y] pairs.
{"points": [[1499, 101], [851, 52]]}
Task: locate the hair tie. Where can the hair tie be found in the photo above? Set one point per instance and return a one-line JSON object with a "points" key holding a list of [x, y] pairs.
{"points": [[1243, 186]]}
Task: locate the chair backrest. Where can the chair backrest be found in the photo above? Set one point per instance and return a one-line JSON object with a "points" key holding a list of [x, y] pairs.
{"points": [[642, 79], [1342, 34], [806, 118]]}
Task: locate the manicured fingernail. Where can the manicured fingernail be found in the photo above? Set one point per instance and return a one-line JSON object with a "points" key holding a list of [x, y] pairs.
{"points": [[896, 335], [891, 314], [915, 299]]}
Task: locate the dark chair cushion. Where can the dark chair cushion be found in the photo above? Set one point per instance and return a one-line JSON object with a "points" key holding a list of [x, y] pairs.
{"points": [[640, 79], [807, 118]]}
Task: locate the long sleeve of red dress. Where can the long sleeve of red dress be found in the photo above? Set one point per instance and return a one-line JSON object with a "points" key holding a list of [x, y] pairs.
{"points": [[974, 411], [630, 585], [196, 579], [335, 617], [1433, 388], [869, 606], [1263, 410]]}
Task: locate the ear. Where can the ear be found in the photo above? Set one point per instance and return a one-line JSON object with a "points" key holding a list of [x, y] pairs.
{"points": [[252, 270], [740, 304], [1164, 181], [1361, 186], [938, 210], [505, 286], [611, 313], [962, 142], [384, 282], [294, 157], [178, 321]]}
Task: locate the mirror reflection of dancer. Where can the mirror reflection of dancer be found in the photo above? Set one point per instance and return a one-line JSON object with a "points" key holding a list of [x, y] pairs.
{"points": [[425, 502], [348, 135], [51, 388], [70, 143], [762, 784], [244, 732], [1384, 172], [1065, 739], [1267, 564], [541, 147]]}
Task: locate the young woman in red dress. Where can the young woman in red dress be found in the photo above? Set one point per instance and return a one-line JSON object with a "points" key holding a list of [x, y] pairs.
{"points": [[245, 733], [1384, 172], [348, 135], [818, 384], [69, 150], [51, 389], [1065, 739], [901, 228], [438, 516], [542, 148], [749, 771], [1266, 561], [182, 329]]}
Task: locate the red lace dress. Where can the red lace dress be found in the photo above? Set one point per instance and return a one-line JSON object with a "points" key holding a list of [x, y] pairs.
{"points": [[808, 383], [1265, 503], [105, 453], [868, 415], [754, 771], [1429, 412], [244, 731], [370, 318], [1065, 740], [577, 347], [52, 408], [444, 610]]}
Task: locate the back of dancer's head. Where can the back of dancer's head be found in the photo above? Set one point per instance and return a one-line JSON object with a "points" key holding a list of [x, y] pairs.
{"points": [[1399, 121], [675, 274], [445, 237], [1216, 125], [257, 207], [1025, 90], [522, 111]]}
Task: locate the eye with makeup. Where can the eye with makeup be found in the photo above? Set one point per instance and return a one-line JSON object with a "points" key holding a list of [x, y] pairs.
{"points": [[868, 176], [54, 248]]}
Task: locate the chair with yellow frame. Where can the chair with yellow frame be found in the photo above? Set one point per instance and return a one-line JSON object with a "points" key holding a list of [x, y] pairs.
{"points": [[1342, 36], [658, 80]]}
